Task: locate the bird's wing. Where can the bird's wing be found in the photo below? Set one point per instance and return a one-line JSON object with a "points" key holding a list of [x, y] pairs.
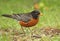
{"points": [[26, 17], [20, 17]]}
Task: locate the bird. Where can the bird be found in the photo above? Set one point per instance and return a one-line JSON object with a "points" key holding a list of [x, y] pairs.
{"points": [[26, 19]]}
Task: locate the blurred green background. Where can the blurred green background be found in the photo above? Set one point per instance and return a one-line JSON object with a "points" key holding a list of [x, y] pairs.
{"points": [[49, 8]]}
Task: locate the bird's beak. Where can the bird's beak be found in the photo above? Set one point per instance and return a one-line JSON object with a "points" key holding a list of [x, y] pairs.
{"points": [[41, 14]]}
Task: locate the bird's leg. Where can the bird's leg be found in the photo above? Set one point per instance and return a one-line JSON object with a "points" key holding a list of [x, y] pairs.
{"points": [[23, 30], [30, 31]]}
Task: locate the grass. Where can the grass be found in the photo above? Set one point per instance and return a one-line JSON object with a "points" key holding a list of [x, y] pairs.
{"points": [[50, 10]]}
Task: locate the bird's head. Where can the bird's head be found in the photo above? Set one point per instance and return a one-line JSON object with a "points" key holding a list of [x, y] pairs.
{"points": [[35, 14]]}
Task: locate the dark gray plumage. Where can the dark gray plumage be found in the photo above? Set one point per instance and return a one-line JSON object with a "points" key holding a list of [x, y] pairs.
{"points": [[24, 17]]}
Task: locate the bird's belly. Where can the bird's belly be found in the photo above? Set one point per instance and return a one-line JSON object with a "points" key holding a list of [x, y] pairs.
{"points": [[29, 24]]}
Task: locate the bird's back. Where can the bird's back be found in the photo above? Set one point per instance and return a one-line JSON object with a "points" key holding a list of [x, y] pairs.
{"points": [[20, 17]]}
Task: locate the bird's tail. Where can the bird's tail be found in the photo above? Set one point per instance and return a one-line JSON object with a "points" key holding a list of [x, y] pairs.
{"points": [[14, 16], [6, 15]]}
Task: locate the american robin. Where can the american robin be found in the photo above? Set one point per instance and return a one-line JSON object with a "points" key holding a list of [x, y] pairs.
{"points": [[27, 19]]}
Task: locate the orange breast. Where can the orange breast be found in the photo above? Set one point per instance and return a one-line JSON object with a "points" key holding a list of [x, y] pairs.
{"points": [[29, 24]]}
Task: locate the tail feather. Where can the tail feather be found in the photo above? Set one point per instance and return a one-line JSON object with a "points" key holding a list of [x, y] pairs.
{"points": [[14, 16], [6, 15]]}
